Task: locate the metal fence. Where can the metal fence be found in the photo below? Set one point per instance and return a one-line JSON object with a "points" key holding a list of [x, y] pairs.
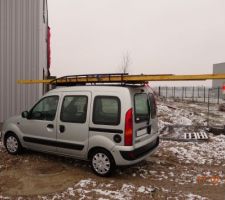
{"points": [[195, 94]]}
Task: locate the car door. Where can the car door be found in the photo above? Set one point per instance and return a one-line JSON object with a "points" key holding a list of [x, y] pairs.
{"points": [[142, 120], [73, 124], [39, 128]]}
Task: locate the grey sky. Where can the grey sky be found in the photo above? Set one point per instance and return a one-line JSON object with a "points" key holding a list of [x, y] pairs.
{"points": [[161, 36]]}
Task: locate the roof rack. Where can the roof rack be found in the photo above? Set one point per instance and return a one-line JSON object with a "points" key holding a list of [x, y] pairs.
{"points": [[121, 78], [93, 79]]}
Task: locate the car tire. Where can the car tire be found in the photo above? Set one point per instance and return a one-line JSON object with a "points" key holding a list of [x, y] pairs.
{"points": [[12, 144], [102, 163]]}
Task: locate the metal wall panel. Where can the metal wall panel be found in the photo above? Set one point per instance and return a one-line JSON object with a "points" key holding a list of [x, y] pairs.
{"points": [[22, 54], [218, 69]]}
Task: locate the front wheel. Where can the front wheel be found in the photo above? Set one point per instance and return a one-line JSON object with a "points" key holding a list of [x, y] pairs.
{"points": [[102, 163], [12, 144]]}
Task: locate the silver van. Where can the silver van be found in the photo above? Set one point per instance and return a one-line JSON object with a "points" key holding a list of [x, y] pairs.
{"points": [[107, 125]]}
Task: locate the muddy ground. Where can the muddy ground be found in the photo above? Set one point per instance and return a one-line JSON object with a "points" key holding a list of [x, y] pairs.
{"points": [[166, 174]]}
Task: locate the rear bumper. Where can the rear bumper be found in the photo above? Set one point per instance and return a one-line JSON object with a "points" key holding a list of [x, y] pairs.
{"points": [[129, 155], [140, 152]]}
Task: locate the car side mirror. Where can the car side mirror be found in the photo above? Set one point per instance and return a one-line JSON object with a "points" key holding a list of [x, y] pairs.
{"points": [[24, 114]]}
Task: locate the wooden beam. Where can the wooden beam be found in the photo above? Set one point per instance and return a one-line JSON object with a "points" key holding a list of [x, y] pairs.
{"points": [[127, 78]]}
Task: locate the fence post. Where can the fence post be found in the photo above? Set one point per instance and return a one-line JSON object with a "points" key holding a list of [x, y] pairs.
{"points": [[159, 91], [166, 92], [208, 93], [193, 93], [218, 100], [174, 93], [208, 107], [204, 94], [185, 92], [182, 93]]}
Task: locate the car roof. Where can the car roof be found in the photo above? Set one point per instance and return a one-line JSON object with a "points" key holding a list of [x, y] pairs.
{"points": [[97, 88]]}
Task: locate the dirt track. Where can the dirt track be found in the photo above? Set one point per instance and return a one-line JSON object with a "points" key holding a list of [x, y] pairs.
{"points": [[36, 174], [164, 175]]}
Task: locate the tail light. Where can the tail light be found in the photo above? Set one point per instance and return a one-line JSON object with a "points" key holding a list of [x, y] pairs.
{"points": [[129, 128], [223, 90]]}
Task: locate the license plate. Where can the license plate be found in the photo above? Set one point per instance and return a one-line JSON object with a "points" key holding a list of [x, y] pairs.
{"points": [[142, 132]]}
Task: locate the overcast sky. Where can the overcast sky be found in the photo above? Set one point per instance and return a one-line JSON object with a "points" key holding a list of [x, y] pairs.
{"points": [[160, 36]]}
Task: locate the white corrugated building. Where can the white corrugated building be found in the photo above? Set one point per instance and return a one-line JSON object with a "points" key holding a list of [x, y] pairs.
{"points": [[23, 53]]}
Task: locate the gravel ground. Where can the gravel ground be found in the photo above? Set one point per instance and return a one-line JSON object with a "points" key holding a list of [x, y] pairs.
{"points": [[177, 170]]}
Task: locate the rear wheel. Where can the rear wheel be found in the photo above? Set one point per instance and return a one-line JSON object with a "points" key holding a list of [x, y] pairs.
{"points": [[12, 144], [102, 162]]}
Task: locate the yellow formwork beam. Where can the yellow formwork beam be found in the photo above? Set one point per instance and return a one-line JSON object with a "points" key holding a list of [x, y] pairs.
{"points": [[46, 81], [128, 78]]}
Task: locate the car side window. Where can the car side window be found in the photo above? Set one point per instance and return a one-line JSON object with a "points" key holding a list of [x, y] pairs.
{"points": [[45, 109], [106, 110], [74, 109]]}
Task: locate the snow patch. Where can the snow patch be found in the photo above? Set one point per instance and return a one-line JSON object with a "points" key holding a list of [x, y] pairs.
{"points": [[85, 183], [195, 197], [145, 190], [4, 198], [202, 153], [71, 191], [127, 189], [111, 194]]}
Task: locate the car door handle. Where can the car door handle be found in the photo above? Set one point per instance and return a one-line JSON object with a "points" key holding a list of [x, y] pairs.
{"points": [[50, 126], [61, 128]]}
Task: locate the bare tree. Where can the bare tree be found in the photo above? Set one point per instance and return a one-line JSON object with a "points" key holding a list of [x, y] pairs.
{"points": [[125, 62]]}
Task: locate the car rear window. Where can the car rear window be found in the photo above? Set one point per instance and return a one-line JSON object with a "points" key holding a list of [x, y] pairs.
{"points": [[106, 110], [153, 106], [141, 107]]}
